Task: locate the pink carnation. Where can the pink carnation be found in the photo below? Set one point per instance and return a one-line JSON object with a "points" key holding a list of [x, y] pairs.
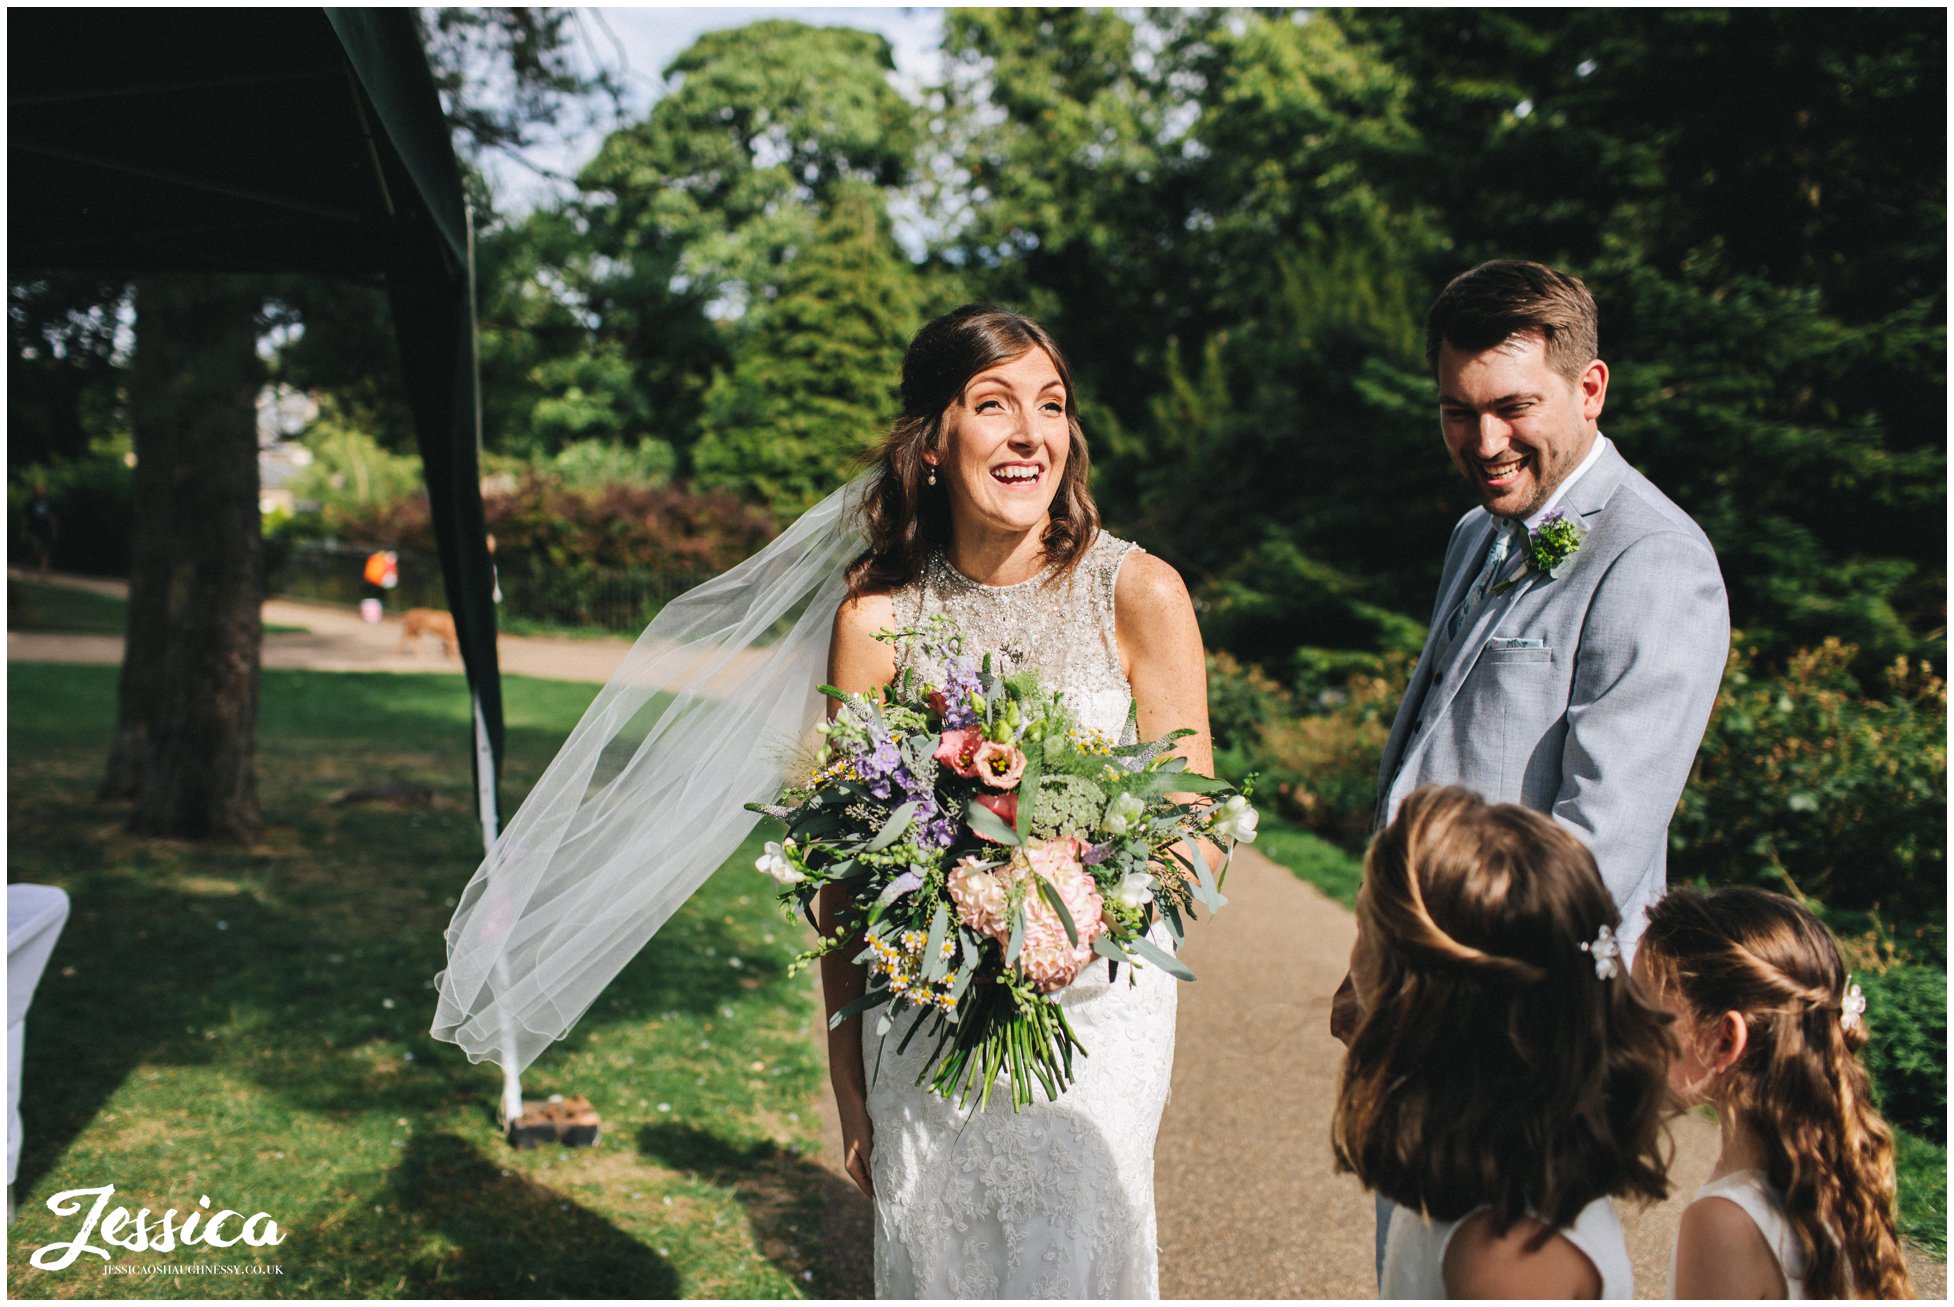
{"points": [[980, 897], [958, 750], [1048, 958], [1000, 766]]}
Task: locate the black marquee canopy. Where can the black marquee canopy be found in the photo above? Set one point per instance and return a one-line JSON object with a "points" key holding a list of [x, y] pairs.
{"points": [[270, 140]]}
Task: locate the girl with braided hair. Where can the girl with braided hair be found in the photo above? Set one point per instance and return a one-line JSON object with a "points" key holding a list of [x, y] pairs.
{"points": [[1505, 1079], [1801, 1203]]}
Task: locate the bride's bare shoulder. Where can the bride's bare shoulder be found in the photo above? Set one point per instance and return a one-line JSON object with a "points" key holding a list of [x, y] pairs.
{"points": [[856, 659]]}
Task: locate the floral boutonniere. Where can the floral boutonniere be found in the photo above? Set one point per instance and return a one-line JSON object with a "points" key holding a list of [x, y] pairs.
{"points": [[1549, 546]]}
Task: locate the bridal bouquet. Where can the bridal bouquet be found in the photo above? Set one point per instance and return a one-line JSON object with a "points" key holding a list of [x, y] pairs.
{"points": [[987, 847]]}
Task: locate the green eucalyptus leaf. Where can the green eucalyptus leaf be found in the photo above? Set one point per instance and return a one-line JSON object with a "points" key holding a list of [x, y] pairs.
{"points": [[989, 824], [1160, 957]]}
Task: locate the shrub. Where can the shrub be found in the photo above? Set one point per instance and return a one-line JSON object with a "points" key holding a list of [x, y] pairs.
{"points": [[93, 499], [597, 464], [351, 473], [1906, 1012], [606, 558], [1803, 780], [1321, 766]]}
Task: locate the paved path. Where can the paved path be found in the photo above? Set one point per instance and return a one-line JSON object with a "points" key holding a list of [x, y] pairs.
{"points": [[1248, 1205], [335, 639]]}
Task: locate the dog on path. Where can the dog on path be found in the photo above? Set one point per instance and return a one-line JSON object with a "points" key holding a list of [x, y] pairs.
{"points": [[417, 622]]}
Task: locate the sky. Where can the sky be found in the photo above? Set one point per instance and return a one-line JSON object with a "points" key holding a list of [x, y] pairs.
{"points": [[638, 42]]}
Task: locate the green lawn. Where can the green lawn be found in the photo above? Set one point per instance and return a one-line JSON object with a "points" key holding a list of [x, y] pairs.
{"points": [[32, 606], [251, 1024], [1311, 858]]}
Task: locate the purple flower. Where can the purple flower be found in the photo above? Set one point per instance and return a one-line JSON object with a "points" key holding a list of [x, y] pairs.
{"points": [[960, 683], [901, 885]]}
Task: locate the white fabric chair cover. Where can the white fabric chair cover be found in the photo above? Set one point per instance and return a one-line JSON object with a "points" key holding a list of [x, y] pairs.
{"points": [[35, 915]]}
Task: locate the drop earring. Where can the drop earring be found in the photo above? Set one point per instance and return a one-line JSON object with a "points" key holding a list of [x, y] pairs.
{"points": [[932, 474]]}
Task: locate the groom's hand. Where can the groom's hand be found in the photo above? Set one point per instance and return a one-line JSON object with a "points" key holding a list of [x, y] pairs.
{"points": [[1345, 1011]]}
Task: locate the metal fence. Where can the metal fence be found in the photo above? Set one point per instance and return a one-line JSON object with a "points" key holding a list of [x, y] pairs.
{"points": [[331, 571]]}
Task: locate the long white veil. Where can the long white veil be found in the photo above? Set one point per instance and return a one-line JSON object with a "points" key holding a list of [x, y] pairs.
{"points": [[648, 795]]}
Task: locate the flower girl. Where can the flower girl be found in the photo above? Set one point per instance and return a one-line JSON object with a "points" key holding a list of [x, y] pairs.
{"points": [[1506, 1078], [1768, 1030]]}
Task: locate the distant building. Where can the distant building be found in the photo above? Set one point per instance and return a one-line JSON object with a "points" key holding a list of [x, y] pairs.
{"points": [[283, 412]]}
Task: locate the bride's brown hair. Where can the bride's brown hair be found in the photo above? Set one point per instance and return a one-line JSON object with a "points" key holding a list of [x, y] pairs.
{"points": [[902, 516], [1497, 1069], [1799, 1085]]}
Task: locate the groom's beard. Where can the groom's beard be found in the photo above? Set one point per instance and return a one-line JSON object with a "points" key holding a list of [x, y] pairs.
{"points": [[1546, 480]]}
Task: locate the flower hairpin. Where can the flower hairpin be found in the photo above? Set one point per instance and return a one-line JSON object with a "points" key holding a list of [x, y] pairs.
{"points": [[1855, 1008], [1606, 953]]}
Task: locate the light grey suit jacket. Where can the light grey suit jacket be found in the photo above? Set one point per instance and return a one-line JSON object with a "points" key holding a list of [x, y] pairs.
{"points": [[1598, 725]]}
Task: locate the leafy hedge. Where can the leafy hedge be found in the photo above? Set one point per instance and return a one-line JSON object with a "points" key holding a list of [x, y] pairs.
{"points": [[92, 498], [1808, 781], [1320, 765], [1906, 1013], [606, 556]]}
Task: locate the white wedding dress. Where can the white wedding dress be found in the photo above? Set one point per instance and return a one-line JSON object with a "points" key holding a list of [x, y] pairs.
{"points": [[1056, 1200]]}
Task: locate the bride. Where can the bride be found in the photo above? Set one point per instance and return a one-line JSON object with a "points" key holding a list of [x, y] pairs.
{"points": [[978, 509]]}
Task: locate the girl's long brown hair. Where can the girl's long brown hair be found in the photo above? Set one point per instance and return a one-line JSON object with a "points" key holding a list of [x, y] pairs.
{"points": [[1799, 1085], [1496, 1068], [904, 517]]}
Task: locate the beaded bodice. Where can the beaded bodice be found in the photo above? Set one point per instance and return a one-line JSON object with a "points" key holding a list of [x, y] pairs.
{"points": [[1065, 630]]}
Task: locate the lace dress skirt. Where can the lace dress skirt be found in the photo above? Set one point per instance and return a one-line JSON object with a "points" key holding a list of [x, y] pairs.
{"points": [[1054, 1201]]}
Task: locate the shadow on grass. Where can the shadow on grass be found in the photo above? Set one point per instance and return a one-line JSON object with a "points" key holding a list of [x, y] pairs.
{"points": [[781, 1193], [481, 1230], [323, 1013], [292, 976]]}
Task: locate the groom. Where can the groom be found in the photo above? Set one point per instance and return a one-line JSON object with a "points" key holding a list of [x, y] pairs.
{"points": [[1581, 628]]}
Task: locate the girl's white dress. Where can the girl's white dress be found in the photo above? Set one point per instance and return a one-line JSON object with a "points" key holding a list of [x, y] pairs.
{"points": [[1414, 1251], [1752, 1192], [1054, 1201]]}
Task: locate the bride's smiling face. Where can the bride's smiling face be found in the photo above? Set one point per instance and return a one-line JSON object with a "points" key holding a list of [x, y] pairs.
{"points": [[1005, 442]]}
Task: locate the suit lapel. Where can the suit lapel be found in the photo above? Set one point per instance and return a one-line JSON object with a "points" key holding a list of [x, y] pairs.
{"points": [[1584, 499], [1452, 589]]}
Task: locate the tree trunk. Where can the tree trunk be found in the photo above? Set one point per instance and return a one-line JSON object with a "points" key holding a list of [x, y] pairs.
{"points": [[139, 696], [186, 738]]}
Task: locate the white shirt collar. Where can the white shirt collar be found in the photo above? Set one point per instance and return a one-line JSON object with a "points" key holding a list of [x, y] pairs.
{"points": [[1553, 500]]}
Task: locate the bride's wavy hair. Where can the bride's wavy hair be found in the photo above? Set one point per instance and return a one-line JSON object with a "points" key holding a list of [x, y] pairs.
{"points": [[1497, 1069], [1799, 1086], [903, 517]]}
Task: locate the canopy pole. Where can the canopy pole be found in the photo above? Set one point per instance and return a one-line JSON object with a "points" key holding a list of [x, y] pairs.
{"points": [[484, 752]]}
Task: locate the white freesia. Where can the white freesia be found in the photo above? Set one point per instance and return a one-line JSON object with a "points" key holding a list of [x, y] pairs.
{"points": [[774, 862], [1134, 890], [1235, 820], [1122, 812]]}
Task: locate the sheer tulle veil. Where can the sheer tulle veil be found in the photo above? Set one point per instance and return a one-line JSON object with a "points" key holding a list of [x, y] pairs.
{"points": [[648, 795]]}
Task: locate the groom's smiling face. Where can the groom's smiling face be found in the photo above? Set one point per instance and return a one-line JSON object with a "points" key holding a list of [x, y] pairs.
{"points": [[1514, 426]]}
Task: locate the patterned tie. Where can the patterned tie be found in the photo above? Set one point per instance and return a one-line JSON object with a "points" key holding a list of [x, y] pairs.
{"points": [[1495, 559]]}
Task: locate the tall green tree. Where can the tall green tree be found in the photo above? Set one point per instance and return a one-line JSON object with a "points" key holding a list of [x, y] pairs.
{"points": [[734, 165], [1060, 178], [1766, 235], [62, 368], [814, 384]]}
